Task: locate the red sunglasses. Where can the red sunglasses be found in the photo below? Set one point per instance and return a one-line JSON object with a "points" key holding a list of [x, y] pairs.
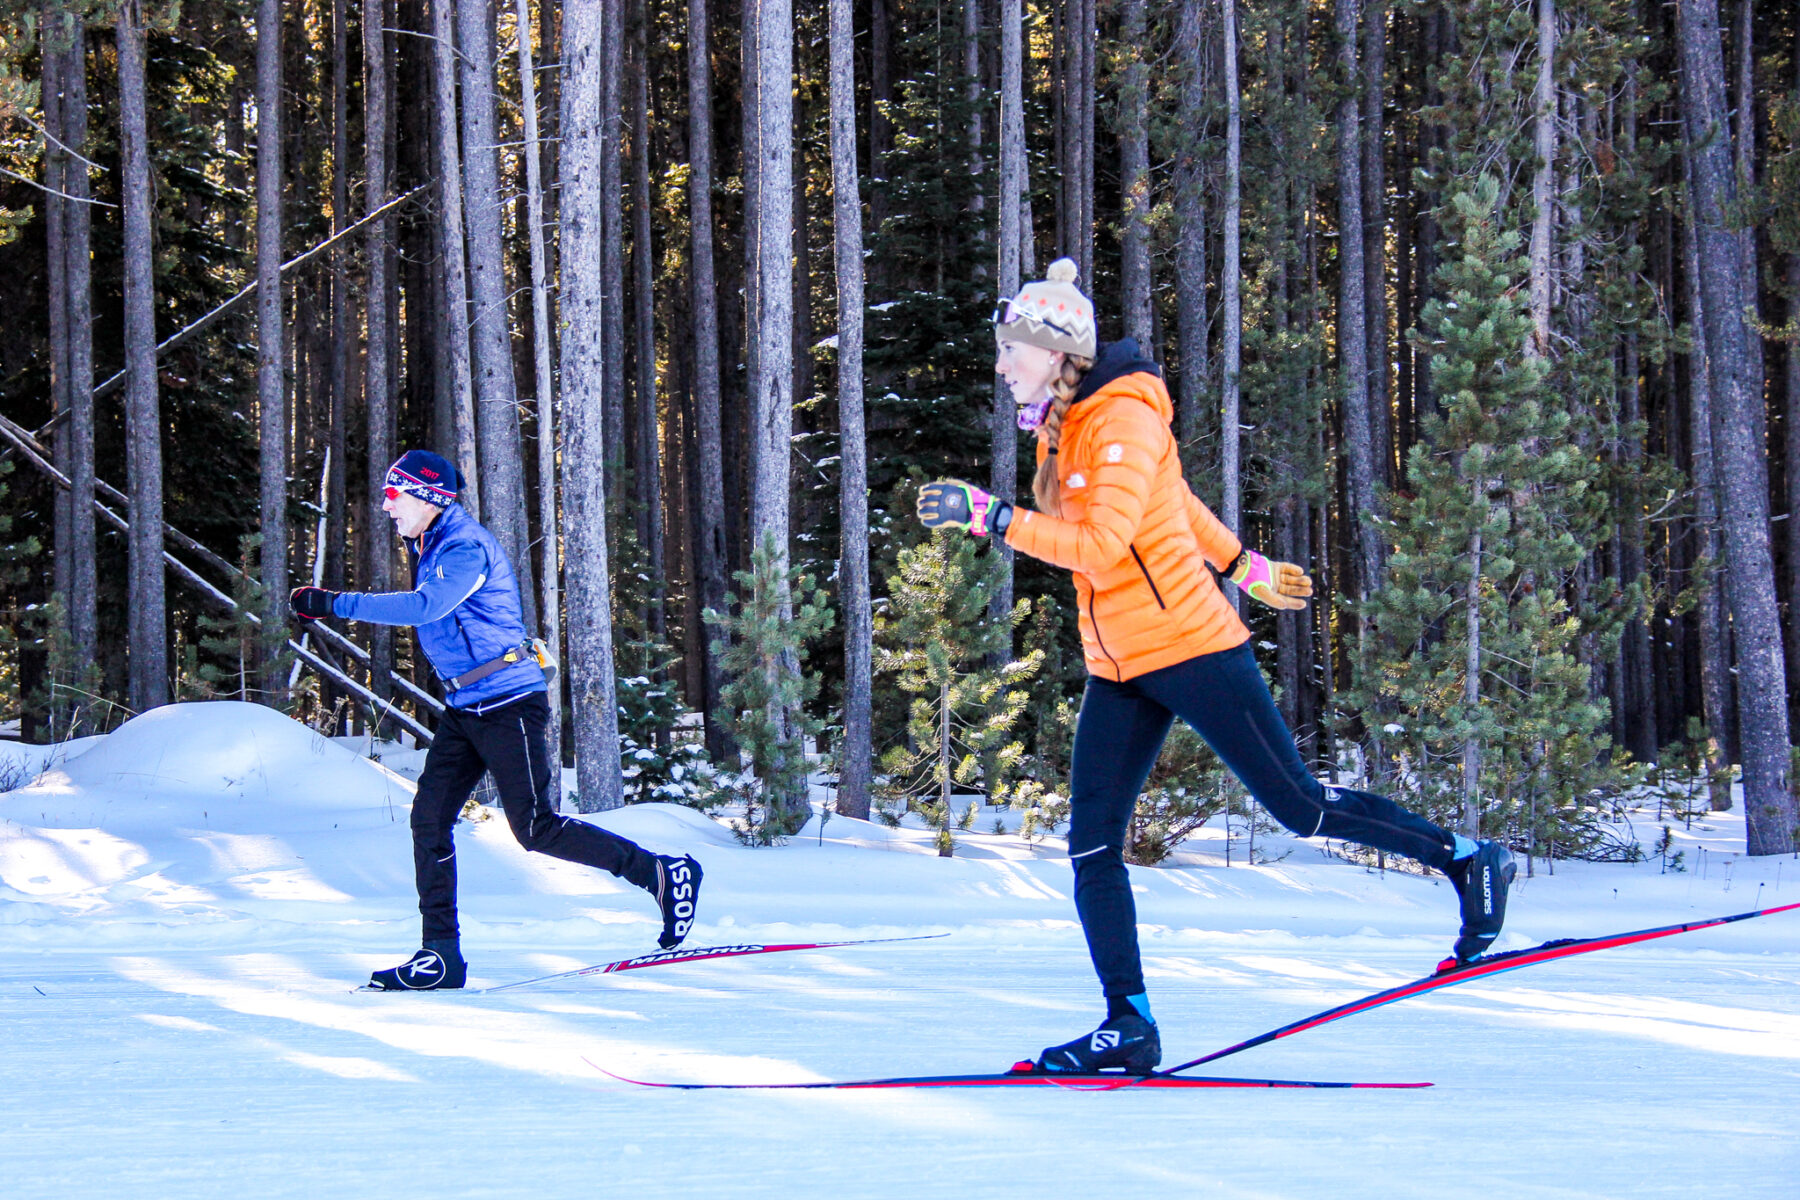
{"points": [[392, 493]]}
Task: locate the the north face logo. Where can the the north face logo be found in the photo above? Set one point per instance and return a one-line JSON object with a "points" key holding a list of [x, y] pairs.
{"points": [[1104, 1039]]}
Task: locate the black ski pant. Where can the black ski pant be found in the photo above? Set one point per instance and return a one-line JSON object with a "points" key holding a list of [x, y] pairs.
{"points": [[509, 741], [1223, 696]]}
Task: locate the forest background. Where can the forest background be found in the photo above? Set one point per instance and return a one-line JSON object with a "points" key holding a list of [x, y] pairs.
{"points": [[1484, 312]]}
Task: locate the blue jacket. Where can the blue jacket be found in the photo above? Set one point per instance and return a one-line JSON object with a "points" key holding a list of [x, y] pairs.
{"points": [[465, 604]]}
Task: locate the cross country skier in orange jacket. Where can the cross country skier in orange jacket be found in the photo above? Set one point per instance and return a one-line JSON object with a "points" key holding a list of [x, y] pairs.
{"points": [[1161, 642]]}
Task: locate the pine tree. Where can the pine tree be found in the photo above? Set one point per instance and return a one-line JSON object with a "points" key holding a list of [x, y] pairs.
{"points": [[768, 629], [938, 639], [1473, 640]]}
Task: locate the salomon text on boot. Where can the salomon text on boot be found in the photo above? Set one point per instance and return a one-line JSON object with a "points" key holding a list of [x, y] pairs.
{"points": [[1482, 880]]}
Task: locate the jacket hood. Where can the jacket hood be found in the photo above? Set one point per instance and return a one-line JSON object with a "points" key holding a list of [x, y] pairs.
{"points": [[1115, 361]]}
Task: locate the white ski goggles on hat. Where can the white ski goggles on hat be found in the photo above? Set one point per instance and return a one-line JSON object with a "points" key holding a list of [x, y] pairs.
{"points": [[1008, 312]]}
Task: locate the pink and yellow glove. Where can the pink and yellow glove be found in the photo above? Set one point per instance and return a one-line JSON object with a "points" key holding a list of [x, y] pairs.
{"points": [[953, 504], [1276, 584]]}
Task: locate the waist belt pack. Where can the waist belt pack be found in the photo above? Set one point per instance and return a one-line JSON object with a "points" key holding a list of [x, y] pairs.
{"points": [[534, 650]]}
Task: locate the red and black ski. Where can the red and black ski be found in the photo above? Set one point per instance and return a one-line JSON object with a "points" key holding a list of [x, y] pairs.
{"points": [[663, 958], [1008, 1079], [1450, 973]]}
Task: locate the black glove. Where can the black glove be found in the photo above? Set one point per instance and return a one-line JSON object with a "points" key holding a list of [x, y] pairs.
{"points": [[953, 504], [311, 603]]}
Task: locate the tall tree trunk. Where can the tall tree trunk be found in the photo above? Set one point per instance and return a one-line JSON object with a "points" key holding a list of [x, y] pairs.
{"points": [[1353, 332], [1003, 430], [455, 262], [271, 383], [1725, 283], [1374, 198], [855, 767], [57, 167], [545, 381], [1087, 38], [971, 69], [772, 403], [338, 501], [1543, 180], [83, 611], [593, 692], [1231, 502], [649, 463], [1715, 631], [496, 391], [378, 389], [1190, 220], [148, 644], [710, 484], [612, 268], [1134, 161]]}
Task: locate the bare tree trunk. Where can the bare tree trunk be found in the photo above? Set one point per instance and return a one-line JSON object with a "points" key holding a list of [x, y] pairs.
{"points": [[855, 767], [1725, 280], [971, 30], [451, 246], [1087, 39], [1471, 751], [378, 389], [58, 166], [710, 511], [1353, 331], [593, 692], [772, 403], [1374, 197], [1190, 220], [1543, 180], [546, 383], [83, 612], [271, 382], [149, 639], [1231, 504], [496, 391], [1715, 631], [612, 267], [649, 464], [338, 502], [1134, 160]]}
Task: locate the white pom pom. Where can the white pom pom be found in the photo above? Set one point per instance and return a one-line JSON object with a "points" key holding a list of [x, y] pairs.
{"points": [[1063, 270]]}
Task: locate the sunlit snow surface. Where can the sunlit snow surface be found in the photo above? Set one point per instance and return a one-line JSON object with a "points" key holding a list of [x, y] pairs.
{"points": [[186, 904]]}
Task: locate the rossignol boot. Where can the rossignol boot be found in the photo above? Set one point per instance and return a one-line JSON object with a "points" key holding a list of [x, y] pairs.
{"points": [[430, 969], [678, 895]]}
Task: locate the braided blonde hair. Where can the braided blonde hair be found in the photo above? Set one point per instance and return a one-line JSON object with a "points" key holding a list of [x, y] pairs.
{"points": [[1046, 487]]}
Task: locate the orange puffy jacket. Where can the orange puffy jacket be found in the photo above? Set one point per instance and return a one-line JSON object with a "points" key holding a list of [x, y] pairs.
{"points": [[1132, 532]]}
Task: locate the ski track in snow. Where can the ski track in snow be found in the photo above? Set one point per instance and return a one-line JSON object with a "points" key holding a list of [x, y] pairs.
{"points": [[186, 904]]}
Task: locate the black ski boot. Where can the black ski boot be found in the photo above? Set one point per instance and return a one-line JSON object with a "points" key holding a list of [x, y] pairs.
{"points": [[1481, 881], [1126, 1042], [678, 895], [426, 971]]}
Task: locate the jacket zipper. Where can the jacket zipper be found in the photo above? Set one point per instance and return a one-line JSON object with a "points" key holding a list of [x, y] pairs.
{"points": [[1095, 622], [1147, 579]]}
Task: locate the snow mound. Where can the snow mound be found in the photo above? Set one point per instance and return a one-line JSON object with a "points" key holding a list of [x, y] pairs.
{"points": [[228, 750], [666, 828]]}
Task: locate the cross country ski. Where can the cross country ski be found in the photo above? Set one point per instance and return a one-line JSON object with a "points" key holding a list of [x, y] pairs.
{"points": [[1450, 973], [663, 958], [1095, 1082]]}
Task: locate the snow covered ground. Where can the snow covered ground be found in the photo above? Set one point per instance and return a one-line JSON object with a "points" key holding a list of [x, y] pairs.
{"points": [[186, 904]]}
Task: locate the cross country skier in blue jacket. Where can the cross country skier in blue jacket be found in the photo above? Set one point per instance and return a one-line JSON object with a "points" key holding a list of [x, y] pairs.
{"points": [[465, 604]]}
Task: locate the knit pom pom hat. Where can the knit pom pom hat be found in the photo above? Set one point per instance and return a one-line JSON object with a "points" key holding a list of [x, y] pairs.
{"points": [[425, 475], [1051, 313]]}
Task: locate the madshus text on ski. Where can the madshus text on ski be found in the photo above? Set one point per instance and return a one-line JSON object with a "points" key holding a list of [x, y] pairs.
{"points": [[1159, 638]]}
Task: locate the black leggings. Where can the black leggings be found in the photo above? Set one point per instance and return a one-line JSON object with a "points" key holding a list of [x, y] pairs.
{"points": [[510, 742], [1224, 698]]}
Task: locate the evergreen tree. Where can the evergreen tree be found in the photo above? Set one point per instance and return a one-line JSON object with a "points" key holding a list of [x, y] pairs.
{"points": [[938, 639], [773, 624], [1473, 638]]}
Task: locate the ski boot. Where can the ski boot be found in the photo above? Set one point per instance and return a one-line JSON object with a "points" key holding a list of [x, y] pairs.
{"points": [[426, 971], [1128, 1043], [1481, 881], [678, 896]]}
